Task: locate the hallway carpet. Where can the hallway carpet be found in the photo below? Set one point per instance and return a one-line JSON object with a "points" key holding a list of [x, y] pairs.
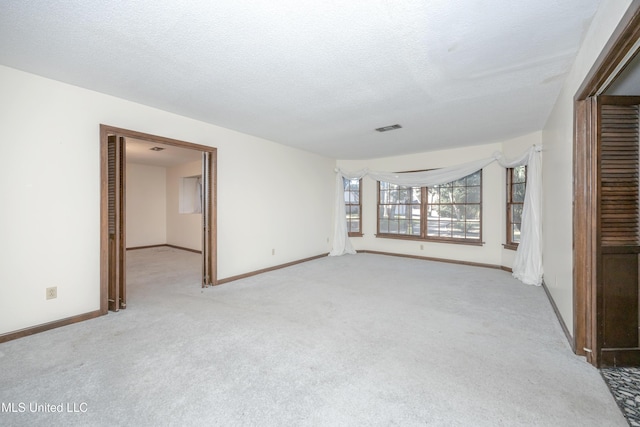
{"points": [[359, 340]]}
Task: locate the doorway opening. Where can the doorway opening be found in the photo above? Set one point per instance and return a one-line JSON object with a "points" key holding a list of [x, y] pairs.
{"points": [[113, 196]]}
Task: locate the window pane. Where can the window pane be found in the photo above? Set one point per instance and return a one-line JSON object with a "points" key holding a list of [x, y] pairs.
{"points": [[445, 212], [445, 195], [383, 185], [459, 212], [393, 196], [517, 178], [382, 212], [353, 210], [473, 230], [474, 178], [417, 195], [383, 226], [452, 210], [445, 228], [515, 233], [457, 228], [473, 212], [415, 227], [432, 227], [473, 194], [516, 213], [459, 194], [433, 195], [517, 193], [352, 204], [459, 183], [415, 212], [519, 174], [456, 205]]}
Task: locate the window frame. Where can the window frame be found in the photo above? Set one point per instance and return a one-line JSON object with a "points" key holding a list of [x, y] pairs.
{"points": [[510, 244], [424, 207], [347, 205]]}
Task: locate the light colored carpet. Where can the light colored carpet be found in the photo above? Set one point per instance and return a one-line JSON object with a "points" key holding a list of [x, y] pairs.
{"points": [[357, 340]]}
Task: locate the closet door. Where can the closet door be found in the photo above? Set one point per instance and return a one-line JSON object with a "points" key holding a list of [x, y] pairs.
{"points": [[208, 253], [116, 223], [618, 230]]}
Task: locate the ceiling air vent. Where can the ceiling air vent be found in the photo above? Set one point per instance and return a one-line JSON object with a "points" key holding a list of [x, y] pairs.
{"points": [[156, 148], [386, 128]]}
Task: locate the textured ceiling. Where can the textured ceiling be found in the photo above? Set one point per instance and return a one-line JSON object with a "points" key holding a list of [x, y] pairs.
{"points": [[320, 75], [141, 152]]}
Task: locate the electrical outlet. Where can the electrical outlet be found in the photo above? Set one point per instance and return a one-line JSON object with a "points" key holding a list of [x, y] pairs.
{"points": [[273, 251], [52, 292], [422, 247]]}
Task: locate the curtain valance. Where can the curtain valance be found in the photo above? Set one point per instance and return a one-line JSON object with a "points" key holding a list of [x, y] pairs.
{"points": [[527, 266]]}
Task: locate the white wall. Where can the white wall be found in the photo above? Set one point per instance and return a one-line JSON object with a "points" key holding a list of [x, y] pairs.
{"points": [[557, 168], [183, 229], [493, 202], [269, 195], [146, 205]]}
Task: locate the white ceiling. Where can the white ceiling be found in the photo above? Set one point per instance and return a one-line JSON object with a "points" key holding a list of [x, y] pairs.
{"points": [[141, 152], [320, 75]]}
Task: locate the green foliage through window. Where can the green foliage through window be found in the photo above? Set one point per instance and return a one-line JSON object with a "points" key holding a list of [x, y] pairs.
{"points": [[516, 186], [353, 207], [450, 211]]}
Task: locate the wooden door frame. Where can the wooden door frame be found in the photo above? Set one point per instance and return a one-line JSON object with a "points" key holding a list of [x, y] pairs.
{"points": [[105, 131], [585, 181]]}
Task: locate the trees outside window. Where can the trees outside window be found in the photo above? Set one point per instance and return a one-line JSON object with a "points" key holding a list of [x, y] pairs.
{"points": [[448, 212], [353, 205], [516, 185]]}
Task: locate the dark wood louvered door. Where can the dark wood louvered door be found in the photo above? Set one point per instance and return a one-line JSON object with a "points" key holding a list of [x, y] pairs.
{"points": [[116, 223], [618, 237], [208, 212]]}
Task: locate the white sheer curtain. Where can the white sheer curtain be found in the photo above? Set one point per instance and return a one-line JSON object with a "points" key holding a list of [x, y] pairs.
{"points": [[527, 265], [341, 243]]}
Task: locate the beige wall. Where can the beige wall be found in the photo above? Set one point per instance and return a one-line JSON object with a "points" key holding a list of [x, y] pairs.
{"points": [[557, 169], [183, 229], [493, 202], [269, 195], [146, 205]]}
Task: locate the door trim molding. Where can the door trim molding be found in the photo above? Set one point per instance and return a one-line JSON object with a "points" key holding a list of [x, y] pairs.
{"points": [[105, 131], [624, 37], [585, 156]]}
